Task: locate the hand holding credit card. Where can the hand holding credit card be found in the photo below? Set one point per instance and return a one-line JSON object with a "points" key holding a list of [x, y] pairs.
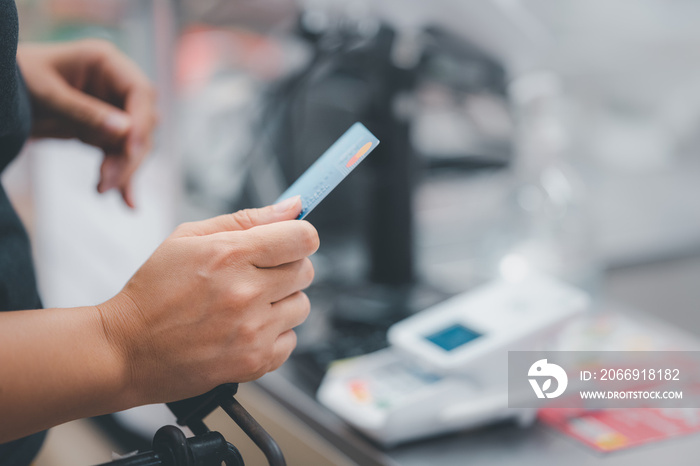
{"points": [[331, 168]]}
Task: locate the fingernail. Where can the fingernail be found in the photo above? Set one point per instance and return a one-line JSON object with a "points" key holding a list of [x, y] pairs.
{"points": [[286, 204], [117, 122]]}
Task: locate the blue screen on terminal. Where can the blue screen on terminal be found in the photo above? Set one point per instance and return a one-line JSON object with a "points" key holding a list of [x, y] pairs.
{"points": [[453, 337]]}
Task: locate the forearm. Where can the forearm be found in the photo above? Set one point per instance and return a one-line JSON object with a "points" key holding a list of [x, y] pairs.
{"points": [[57, 365], [215, 303]]}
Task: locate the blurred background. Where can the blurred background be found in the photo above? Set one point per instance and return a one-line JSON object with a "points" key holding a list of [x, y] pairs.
{"points": [[561, 137]]}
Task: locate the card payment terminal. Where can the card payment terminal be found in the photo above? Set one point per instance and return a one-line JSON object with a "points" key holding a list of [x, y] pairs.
{"points": [[446, 367]]}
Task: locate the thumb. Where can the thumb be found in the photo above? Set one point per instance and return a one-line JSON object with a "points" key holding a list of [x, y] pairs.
{"points": [[96, 121], [288, 209]]}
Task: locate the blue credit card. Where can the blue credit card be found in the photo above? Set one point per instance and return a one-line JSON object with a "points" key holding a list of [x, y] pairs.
{"points": [[331, 168]]}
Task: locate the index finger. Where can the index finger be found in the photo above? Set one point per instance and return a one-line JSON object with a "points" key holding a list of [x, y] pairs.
{"points": [[281, 243], [139, 101], [140, 104]]}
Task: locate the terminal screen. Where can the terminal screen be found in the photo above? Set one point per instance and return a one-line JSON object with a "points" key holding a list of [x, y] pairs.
{"points": [[453, 337]]}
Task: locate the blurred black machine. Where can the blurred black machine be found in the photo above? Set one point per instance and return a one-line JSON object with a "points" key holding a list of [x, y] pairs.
{"points": [[436, 102]]}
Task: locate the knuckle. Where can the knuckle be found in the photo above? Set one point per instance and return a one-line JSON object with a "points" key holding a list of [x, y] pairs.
{"points": [[306, 301], [305, 273], [308, 272], [260, 362], [246, 296], [220, 255], [251, 364], [183, 229], [277, 362], [305, 304], [247, 332], [246, 218], [267, 363], [239, 249], [293, 344], [310, 237], [221, 247]]}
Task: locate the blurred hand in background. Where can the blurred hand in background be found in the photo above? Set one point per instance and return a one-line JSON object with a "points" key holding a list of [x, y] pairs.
{"points": [[89, 90]]}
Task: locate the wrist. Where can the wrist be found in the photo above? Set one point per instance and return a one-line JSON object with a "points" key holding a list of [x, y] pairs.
{"points": [[114, 321]]}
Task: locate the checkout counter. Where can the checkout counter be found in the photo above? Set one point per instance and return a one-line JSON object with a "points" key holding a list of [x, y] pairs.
{"points": [[645, 288]]}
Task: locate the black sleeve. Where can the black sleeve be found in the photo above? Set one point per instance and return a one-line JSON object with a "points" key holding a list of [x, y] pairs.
{"points": [[17, 280], [15, 110]]}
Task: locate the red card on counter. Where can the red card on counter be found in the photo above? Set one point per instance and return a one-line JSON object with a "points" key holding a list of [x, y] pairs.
{"points": [[617, 429]]}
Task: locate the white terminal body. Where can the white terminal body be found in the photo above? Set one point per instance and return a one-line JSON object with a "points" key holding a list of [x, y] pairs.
{"points": [[446, 368]]}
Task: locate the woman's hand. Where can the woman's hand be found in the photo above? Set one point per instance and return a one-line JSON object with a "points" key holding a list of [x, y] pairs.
{"points": [[91, 91], [215, 303]]}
